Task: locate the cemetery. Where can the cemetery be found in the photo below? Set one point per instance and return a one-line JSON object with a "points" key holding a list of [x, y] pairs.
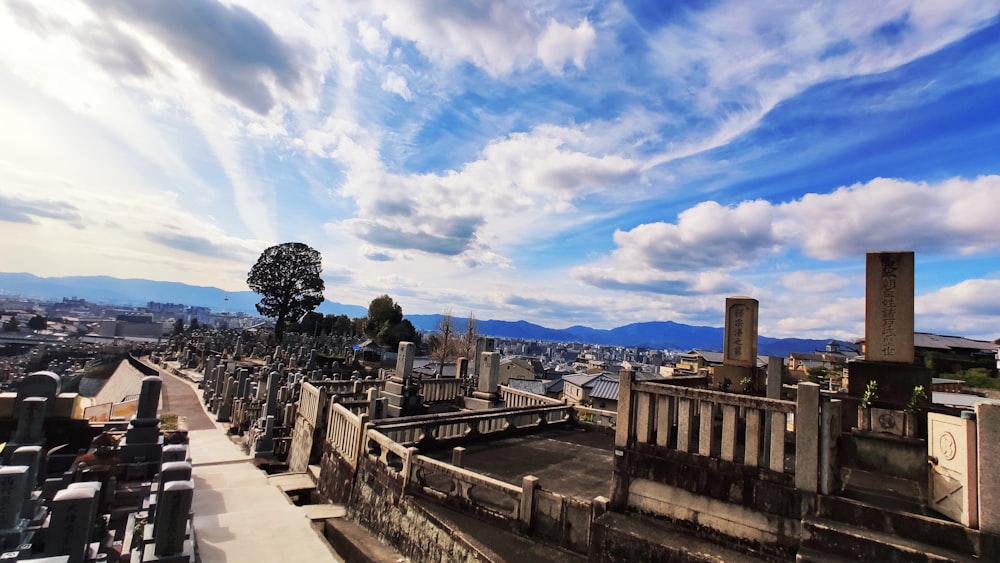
{"points": [[71, 491], [468, 468]]}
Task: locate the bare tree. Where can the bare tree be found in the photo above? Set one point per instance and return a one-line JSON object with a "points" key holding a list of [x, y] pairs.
{"points": [[467, 345], [445, 345]]}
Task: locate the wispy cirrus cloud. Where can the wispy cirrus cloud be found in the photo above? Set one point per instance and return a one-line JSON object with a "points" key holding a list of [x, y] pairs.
{"points": [[29, 211]]}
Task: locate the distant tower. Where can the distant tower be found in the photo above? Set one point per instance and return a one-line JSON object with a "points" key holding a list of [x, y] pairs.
{"points": [[225, 306]]}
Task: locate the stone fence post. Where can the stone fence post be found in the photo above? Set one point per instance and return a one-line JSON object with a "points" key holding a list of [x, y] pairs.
{"points": [[623, 428], [988, 461], [528, 486], [807, 438]]}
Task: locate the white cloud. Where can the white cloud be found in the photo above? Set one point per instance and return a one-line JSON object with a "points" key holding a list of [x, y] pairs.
{"points": [[955, 215], [979, 297], [498, 37], [523, 187], [561, 43], [707, 236], [396, 84], [372, 39], [814, 282]]}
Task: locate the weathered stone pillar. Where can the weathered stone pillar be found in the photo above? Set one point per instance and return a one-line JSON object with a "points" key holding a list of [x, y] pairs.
{"points": [[149, 397], [988, 461], [529, 484], [170, 529], [30, 418], [807, 438], [404, 360], [73, 513], [13, 485], [889, 307], [775, 369]]}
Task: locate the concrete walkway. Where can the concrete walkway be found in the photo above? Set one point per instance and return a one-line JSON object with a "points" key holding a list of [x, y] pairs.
{"points": [[238, 514]]}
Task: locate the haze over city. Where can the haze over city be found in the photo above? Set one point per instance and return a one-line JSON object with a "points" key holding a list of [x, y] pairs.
{"points": [[559, 162]]}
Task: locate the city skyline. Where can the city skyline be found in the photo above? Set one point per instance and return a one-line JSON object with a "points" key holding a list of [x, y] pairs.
{"points": [[573, 163]]}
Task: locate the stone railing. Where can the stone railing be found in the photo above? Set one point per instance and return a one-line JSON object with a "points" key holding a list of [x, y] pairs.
{"points": [[393, 456], [440, 390], [596, 416], [543, 514], [355, 388], [445, 481], [514, 398], [430, 428], [344, 431], [685, 419], [310, 399]]}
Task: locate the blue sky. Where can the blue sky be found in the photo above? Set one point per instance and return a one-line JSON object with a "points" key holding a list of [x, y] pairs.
{"points": [[595, 163]]}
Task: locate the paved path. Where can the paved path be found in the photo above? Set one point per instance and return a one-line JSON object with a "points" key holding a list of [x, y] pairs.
{"points": [[238, 515]]}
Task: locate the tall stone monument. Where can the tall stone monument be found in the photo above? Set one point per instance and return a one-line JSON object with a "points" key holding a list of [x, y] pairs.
{"points": [[485, 395], [402, 394], [142, 442], [889, 307], [888, 333], [739, 356]]}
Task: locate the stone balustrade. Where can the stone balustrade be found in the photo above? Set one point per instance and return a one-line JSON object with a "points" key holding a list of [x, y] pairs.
{"points": [[443, 481], [344, 432], [596, 416], [429, 428], [514, 398], [752, 430], [440, 390]]}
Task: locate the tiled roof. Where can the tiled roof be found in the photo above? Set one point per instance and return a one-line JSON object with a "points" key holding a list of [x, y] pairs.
{"points": [[581, 380], [604, 388], [926, 340]]}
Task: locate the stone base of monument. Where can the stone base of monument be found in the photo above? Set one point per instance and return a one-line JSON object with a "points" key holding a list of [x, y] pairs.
{"points": [[10, 538], [186, 555], [263, 447], [734, 374], [148, 452], [481, 401], [32, 510], [402, 401], [895, 381]]}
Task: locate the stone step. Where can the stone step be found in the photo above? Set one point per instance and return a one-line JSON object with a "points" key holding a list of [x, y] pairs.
{"points": [[624, 538], [808, 555], [900, 523], [495, 544], [853, 542], [886, 491]]}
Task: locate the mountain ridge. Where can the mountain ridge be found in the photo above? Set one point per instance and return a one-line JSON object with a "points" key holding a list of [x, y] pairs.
{"points": [[138, 292]]}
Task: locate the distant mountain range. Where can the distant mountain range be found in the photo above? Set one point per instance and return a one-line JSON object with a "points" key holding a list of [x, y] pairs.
{"points": [[655, 335], [138, 292]]}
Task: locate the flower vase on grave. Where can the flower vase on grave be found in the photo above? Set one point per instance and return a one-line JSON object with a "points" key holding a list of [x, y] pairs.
{"points": [[864, 419]]}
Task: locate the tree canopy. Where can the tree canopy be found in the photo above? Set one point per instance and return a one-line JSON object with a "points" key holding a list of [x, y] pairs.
{"points": [[288, 278], [38, 322], [385, 324]]}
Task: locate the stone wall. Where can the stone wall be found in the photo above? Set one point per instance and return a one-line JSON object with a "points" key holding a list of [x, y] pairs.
{"points": [[754, 508], [336, 476], [378, 505], [302, 445]]}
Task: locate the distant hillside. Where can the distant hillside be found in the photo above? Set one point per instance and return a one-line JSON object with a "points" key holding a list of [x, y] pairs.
{"points": [[138, 292], [657, 335]]}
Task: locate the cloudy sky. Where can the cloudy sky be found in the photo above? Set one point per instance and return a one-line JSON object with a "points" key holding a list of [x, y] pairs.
{"points": [[572, 162]]}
